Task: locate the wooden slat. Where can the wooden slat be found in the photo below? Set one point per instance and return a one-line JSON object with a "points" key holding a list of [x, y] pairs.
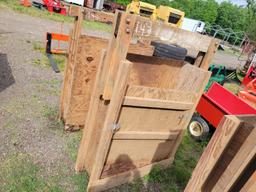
{"points": [[134, 135], [156, 103], [74, 10], [217, 145], [173, 35], [141, 49], [191, 77], [242, 158], [90, 120], [160, 93], [250, 185], [111, 118], [69, 69]]}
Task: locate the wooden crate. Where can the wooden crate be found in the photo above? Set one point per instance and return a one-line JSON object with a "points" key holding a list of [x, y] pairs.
{"points": [[138, 112], [84, 58], [229, 160]]}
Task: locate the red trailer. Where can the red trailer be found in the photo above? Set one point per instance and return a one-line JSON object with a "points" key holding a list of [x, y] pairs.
{"points": [[213, 105]]}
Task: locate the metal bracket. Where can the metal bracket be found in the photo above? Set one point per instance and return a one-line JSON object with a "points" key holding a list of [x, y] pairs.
{"points": [[115, 127]]}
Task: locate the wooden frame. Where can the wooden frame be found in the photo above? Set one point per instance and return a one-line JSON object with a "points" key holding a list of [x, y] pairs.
{"points": [[228, 162], [140, 104], [84, 58]]}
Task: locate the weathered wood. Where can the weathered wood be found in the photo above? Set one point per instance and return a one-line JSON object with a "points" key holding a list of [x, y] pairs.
{"points": [[155, 129], [117, 48], [111, 118], [125, 177], [100, 16], [157, 103], [250, 185], [172, 35], [227, 155], [138, 114], [70, 67], [145, 135], [83, 61], [81, 161], [241, 159], [211, 50]]}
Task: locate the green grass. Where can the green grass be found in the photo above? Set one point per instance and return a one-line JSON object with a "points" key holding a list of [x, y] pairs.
{"points": [[176, 177], [19, 173], [233, 87], [35, 12]]}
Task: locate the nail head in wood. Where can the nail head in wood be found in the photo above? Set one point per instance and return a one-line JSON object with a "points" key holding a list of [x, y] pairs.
{"points": [[115, 127], [128, 31]]}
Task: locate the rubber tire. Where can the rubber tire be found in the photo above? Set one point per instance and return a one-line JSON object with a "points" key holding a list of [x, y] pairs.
{"points": [[204, 126], [169, 51]]}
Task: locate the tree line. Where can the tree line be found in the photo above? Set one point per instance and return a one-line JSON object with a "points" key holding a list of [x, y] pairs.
{"points": [[225, 14]]}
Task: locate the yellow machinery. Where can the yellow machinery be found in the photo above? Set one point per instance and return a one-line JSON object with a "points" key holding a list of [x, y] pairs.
{"points": [[163, 13], [142, 9], [170, 15]]}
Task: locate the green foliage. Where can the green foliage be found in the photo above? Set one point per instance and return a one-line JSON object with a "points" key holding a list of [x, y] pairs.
{"points": [[231, 16], [251, 19]]}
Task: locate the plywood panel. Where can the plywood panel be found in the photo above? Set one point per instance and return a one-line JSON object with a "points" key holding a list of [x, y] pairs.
{"points": [[154, 72], [144, 119], [125, 155]]}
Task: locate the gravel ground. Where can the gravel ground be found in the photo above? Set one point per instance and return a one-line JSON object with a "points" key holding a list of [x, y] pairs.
{"points": [[29, 100]]}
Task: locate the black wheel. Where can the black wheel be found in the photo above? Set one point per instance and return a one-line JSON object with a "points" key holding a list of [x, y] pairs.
{"points": [[169, 51], [198, 128]]}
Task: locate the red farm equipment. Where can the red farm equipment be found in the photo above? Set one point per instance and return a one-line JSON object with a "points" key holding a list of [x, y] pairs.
{"points": [[52, 6], [218, 101], [212, 107], [55, 6]]}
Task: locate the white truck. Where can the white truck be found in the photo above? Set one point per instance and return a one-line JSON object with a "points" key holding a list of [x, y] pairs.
{"points": [[193, 25], [77, 2]]}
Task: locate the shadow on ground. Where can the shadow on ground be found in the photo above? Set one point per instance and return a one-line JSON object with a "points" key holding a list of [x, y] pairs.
{"points": [[6, 76]]}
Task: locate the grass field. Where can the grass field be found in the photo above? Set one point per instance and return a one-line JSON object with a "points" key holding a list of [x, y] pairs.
{"points": [[35, 12]]}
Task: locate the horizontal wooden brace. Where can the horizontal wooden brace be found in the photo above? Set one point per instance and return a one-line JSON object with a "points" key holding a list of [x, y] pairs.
{"points": [[156, 103], [135, 135]]}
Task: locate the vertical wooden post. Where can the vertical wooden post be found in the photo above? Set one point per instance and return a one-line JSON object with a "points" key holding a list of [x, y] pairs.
{"points": [[117, 48], [70, 66], [81, 162], [117, 98], [209, 54]]}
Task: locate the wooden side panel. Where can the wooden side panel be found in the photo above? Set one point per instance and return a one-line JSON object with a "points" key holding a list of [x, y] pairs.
{"points": [[190, 78], [145, 119], [226, 157], [173, 35], [87, 61], [237, 156], [126, 155], [154, 72], [131, 151]]}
